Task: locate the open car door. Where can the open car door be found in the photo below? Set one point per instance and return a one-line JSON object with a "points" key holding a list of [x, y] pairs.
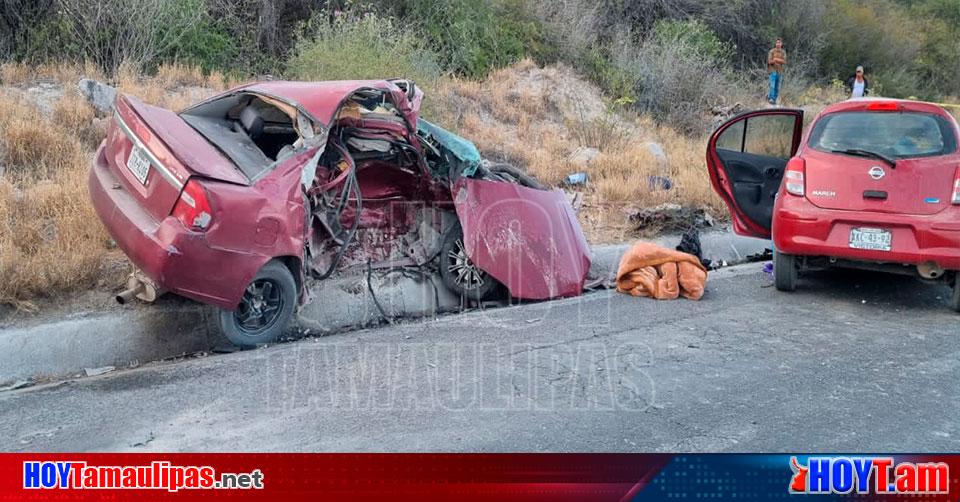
{"points": [[746, 157]]}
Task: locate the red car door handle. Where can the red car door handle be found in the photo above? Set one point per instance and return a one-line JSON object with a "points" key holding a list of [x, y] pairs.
{"points": [[875, 194]]}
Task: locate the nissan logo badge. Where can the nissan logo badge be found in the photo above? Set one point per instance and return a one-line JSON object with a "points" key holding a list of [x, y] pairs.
{"points": [[876, 172]]}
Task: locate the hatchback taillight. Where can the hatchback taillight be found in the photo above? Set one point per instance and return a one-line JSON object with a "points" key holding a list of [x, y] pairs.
{"points": [[193, 208], [793, 176], [956, 187]]}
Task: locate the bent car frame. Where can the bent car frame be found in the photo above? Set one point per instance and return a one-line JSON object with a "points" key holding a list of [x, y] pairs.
{"points": [[242, 199]]}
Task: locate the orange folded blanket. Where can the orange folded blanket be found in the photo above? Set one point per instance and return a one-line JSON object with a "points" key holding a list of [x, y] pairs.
{"points": [[650, 270]]}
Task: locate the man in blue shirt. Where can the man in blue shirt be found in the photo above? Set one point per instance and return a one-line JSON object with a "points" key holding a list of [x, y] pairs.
{"points": [[776, 61]]}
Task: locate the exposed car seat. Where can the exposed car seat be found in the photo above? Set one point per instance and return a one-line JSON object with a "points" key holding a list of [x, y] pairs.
{"points": [[252, 121]]}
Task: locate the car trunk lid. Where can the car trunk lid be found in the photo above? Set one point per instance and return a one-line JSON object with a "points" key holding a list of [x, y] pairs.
{"points": [[915, 186], [153, 153]]}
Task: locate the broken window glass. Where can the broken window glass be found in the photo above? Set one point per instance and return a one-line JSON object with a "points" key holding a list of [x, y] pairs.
{"points": [[252, 131]]}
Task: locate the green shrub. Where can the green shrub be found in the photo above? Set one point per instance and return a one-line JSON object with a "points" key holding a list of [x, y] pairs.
{"points": [[473, 37], [142, 33], [693, 37], [361, 45], [188, 34], [613, 79], [938, 64], [47, 39]]}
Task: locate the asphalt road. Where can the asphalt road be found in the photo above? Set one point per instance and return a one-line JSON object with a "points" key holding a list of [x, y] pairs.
{"points": [[850, 362]]}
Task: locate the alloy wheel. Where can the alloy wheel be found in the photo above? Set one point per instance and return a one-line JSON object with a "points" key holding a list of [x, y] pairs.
{"points": [[468, 276], [260, 307]]}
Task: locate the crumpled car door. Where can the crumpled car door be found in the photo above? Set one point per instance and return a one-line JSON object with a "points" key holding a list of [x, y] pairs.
{"points": [[527, 239]]}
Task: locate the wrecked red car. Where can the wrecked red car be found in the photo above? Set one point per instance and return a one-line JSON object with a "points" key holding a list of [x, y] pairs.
{"points": [[243, 199]]}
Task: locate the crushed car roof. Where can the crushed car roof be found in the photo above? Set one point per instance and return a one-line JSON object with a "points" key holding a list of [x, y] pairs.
{"points": [[319, 99]]}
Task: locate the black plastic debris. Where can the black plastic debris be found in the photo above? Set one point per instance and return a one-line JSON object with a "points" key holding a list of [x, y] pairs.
{"points": [[690, 244], [766, 255], [659, 182]]}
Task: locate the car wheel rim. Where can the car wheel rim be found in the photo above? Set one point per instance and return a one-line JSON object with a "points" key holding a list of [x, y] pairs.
{"points": [[465, 273], [260, 307]]}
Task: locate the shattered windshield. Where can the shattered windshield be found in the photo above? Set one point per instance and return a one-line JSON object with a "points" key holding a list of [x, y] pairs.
{"points": [[458, 155]]}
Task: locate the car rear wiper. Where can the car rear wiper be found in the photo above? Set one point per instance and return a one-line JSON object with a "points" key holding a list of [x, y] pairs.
{"points": [[867, 153]]}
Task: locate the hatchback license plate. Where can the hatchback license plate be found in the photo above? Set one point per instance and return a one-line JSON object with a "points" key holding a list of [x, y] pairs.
{"points": [[139, 164], [875, 239]]}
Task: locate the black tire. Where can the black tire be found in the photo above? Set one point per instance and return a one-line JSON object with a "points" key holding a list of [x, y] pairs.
{"points": [[512, 173], [265, 310], [784, 271], [955, 298], [458, 273]]}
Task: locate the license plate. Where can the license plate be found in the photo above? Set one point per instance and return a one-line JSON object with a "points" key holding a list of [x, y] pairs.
{"points": [[139, 164], [875, 239]]}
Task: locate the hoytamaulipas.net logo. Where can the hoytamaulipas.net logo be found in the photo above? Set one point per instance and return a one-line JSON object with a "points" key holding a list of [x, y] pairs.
{"points": [[159, 475], [873, 475]]}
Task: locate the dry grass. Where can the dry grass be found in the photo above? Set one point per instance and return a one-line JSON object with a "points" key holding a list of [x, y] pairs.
{"points": [[73, 113], [31, 148], [51, 241], [25, 74], [174, 87], [537, 118]]}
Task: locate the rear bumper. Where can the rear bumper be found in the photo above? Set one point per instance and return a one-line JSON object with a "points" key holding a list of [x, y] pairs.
{"points": [[177, 259], [800, 228]]}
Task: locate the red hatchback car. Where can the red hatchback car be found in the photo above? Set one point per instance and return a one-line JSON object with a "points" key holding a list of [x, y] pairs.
{"points": [[872, 184], [242, 199]]}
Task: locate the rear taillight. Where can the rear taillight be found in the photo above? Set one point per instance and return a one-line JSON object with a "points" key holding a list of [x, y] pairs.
{"points": [[793, 176], [956, 187], [193, 208]]}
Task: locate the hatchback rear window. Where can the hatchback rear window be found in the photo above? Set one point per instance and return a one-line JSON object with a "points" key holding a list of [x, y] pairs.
{"points": [[896, 135]]}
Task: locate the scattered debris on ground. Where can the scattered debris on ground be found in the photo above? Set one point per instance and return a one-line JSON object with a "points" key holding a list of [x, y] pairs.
{"points": [[98, 371], [670, 217], [690, 244]]}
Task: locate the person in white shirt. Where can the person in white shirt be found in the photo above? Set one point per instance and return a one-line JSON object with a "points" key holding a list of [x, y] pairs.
{"points": [[857, 85]]}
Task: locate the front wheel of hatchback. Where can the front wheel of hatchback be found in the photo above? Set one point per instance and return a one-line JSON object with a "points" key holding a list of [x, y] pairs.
{"points": [[459, 274], [784, 271], [265, 309]]}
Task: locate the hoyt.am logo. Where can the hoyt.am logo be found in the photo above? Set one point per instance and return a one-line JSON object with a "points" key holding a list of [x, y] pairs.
{"points": [[877, 475]]}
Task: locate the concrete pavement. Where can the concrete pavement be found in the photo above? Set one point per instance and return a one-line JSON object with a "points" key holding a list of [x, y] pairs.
{"points": [[850, 362]]}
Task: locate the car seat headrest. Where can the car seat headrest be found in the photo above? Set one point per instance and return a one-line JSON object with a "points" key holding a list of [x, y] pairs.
{"points": [[252, 122]]}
